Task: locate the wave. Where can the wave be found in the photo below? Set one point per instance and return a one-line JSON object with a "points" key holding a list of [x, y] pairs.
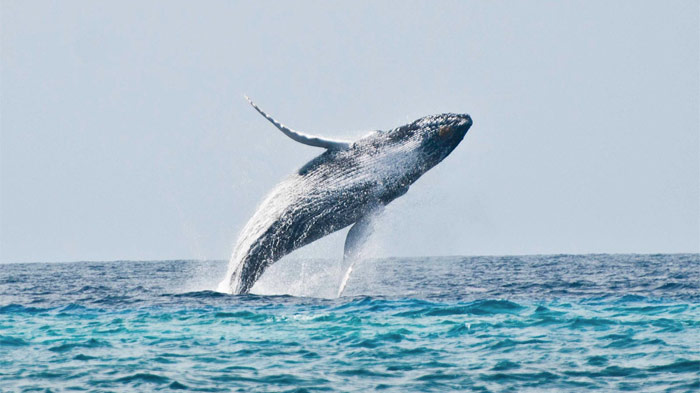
{"points": [[91, 343]]}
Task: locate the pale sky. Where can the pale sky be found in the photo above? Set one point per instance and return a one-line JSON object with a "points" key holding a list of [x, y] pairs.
{"points": [[125, 135]]}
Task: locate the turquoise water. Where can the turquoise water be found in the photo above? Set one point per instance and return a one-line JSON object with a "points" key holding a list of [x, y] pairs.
{"points": [[491, 324]]}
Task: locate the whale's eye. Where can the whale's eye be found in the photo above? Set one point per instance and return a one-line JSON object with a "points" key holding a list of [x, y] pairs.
{"points": [[445, 131]]}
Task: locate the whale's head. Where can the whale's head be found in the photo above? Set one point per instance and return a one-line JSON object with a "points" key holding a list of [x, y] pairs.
{"points": [[432, 138], [442, 133]]}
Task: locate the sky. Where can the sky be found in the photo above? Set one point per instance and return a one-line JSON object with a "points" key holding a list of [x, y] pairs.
{"points": [[124, 133]]}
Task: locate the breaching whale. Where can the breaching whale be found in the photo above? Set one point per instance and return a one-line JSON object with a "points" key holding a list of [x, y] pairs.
{"points": [[348, 184]]}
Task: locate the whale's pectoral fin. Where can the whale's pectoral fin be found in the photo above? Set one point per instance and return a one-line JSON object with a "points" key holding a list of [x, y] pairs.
{"points": [[358, 235], [355, 241], [311, 140]]}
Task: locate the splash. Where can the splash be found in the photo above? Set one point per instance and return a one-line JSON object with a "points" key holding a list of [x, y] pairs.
{"points": [[266, 214], [346, 277]]}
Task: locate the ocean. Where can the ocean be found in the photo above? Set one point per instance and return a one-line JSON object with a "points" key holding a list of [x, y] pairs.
{"points": [[557, 323]]}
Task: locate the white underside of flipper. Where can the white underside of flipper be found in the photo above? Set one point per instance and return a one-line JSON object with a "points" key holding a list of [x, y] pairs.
{"points": [[311, 140], [354, 243]]}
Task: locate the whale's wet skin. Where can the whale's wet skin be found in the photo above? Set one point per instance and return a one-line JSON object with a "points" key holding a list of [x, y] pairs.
{"points": [[348, 184], [557, 323]]}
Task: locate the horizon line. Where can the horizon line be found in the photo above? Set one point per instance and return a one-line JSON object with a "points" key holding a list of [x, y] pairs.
{"points": [[381, 257]]}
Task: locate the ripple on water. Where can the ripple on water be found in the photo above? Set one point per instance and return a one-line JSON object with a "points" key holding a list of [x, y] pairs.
{"points": [[9, 341], [139, 378], [91, 343]]}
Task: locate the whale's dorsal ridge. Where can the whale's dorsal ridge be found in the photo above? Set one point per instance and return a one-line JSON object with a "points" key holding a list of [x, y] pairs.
{"points": [[311, 140]]}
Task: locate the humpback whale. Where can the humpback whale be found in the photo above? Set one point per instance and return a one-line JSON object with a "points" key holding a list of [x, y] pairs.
{"points": [[348, 184]]}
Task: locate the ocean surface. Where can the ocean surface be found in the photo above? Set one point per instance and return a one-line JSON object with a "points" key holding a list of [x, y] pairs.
{"points": [[488, 324]]}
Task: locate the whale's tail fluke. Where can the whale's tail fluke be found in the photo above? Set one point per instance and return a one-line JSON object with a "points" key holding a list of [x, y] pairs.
{"points": [[311, 140]]}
